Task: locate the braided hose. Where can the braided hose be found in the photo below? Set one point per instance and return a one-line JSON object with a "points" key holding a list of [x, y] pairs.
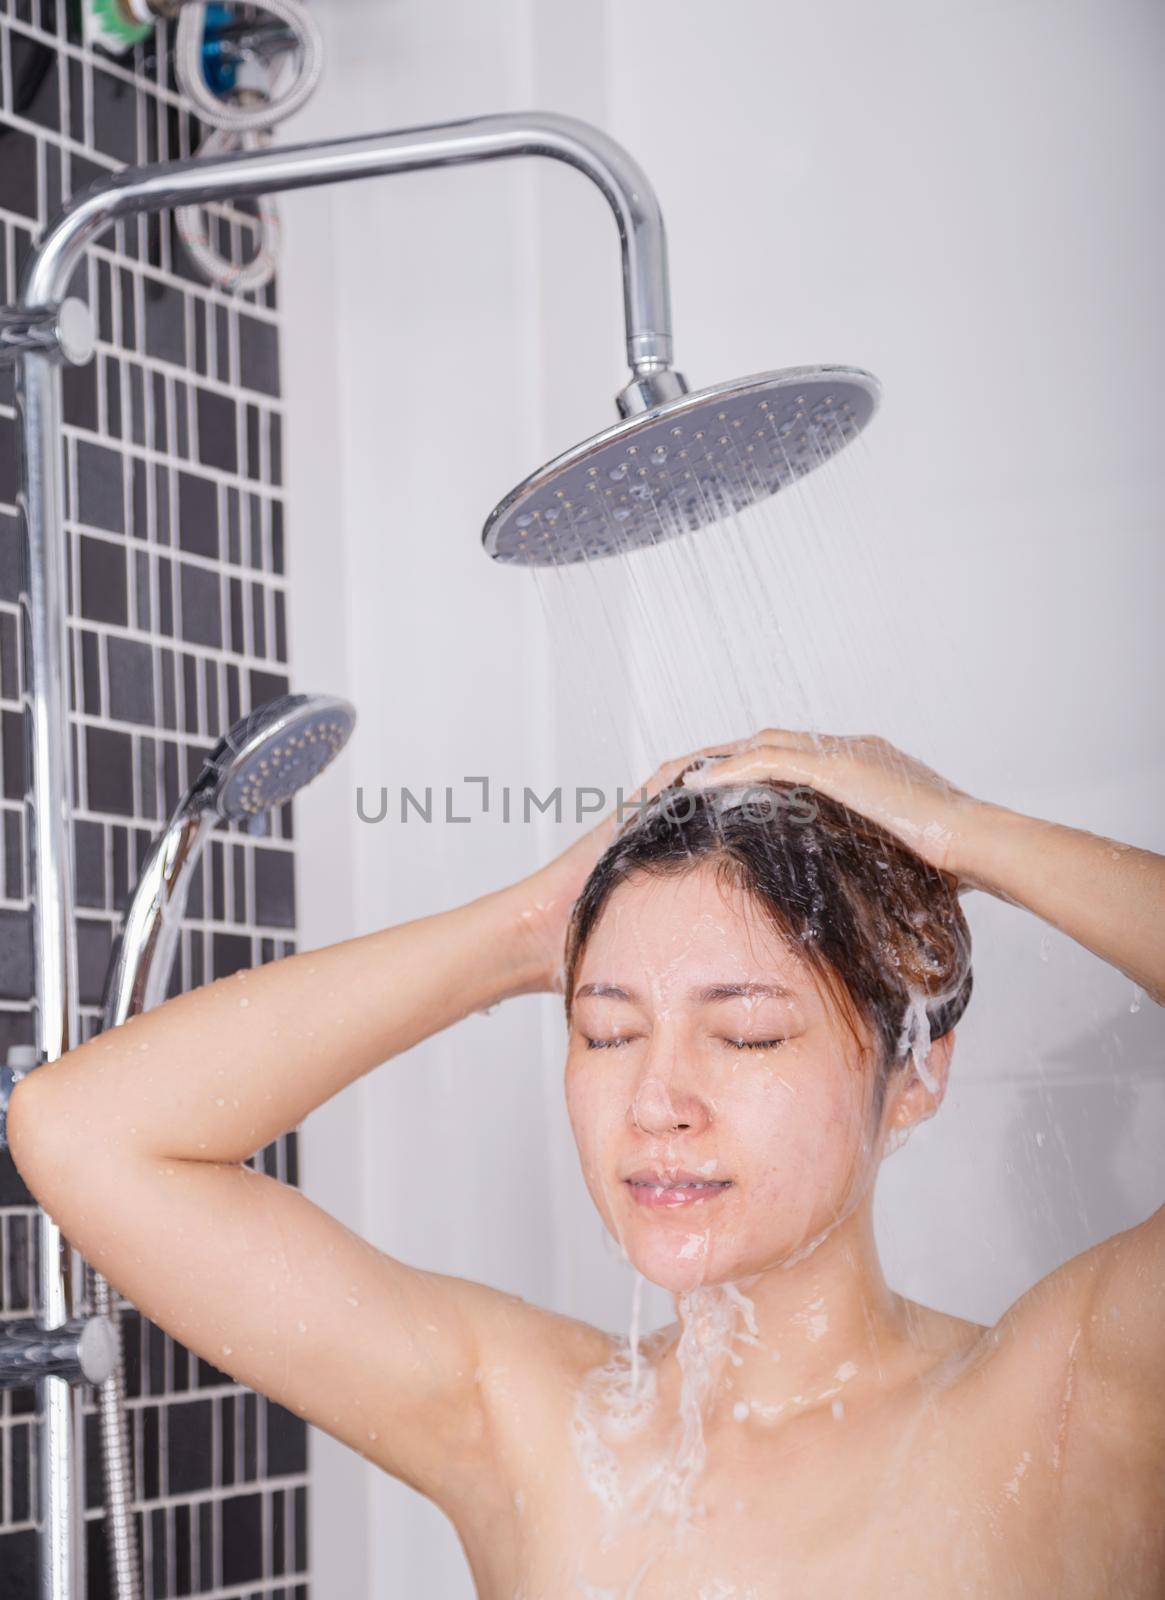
{"points": [[192, 80], [243, 123], [120, 1539], [194, 228]]}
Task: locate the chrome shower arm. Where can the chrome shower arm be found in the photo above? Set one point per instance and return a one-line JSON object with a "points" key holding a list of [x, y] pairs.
{"points": [[239, 175]]}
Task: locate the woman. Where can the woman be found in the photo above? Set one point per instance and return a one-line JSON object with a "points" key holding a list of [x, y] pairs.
{"points": [[751, 993]]}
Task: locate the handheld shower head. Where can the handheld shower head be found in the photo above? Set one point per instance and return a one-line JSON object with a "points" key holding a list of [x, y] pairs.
{"points": [[680, 466], [271, 753], [265, 758]]}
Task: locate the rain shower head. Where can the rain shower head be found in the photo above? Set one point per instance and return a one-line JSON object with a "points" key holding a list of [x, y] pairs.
{"points": [[680, 466], [270, 754]]}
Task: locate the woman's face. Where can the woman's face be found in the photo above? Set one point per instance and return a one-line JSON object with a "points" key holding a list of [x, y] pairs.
{"points": [[722, 1111]]}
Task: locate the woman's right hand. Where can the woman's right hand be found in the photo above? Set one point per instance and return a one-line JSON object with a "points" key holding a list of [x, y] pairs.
{"points": [[543, 901]]}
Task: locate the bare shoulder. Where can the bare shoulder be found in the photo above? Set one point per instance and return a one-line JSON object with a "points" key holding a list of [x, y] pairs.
{"points": [[1083, 1348], [530, 1363], [1106, 1306], [530, 1360]]}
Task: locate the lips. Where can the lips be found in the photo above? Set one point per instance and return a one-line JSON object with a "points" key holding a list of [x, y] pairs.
{"points": [[673, 1189]]}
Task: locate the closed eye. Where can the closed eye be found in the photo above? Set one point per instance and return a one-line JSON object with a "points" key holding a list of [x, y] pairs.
{"points": [[754, 1044], [607, 1044]]}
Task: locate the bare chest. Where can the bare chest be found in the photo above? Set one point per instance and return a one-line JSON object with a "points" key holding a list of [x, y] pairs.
{"points": [[964, 1494]]}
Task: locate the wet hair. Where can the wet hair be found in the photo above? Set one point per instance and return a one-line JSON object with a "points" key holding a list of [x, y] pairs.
{"points": [[878, 926]]}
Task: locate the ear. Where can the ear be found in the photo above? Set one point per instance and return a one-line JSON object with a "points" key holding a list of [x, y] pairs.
{"points": [[911, 1101]]}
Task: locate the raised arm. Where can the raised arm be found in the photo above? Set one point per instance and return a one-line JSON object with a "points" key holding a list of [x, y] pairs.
{"points": [[1108, 896], [134, 1143]]}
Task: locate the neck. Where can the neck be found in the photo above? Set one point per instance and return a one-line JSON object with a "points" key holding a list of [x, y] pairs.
{"points": [[792, 1337]]}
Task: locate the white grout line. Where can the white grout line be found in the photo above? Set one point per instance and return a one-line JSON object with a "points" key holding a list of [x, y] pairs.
{"points": [[6, 1474], [178, 557], [141, 452], [6, 74]]}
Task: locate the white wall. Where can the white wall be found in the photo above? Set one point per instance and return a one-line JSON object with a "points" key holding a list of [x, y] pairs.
{"points": [[963, 198]]}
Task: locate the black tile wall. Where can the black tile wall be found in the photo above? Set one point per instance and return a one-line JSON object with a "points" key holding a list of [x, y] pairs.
{"points": [[175, 562]]}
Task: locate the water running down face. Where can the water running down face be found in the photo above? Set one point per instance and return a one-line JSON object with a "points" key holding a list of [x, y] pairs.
{"points": [[752, 990], [724, 1114], [740, 989]]}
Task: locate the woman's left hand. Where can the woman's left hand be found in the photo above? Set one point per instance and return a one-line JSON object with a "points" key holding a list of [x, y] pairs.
{"points": [[868, 774]]}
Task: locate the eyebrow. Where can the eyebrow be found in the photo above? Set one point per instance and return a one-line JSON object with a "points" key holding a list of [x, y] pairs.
{"points": [[707, 994]]}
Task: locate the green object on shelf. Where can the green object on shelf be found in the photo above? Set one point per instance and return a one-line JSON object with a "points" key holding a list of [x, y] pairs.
{"points": [[112, 25]]}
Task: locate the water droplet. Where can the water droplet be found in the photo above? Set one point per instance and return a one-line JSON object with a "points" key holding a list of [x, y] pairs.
{"points": [[301, 1327], [740, 1410], [618, 471], [659, 454], [226, 1349], [244, 1001]]}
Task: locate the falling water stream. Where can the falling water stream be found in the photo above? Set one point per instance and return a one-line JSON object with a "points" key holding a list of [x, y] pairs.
{"points": [[782, 613], [694, 641]]}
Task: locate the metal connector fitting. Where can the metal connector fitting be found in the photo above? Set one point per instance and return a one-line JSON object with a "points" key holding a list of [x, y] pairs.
{"points": [[22, 1059], [64, 332], [81, 1351], [649, 389]]}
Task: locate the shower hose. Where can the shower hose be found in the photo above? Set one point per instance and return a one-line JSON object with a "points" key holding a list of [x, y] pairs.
{"points": [[121, 1542]]}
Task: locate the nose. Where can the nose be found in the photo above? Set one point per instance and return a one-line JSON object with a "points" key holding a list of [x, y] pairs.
{"points": [[662, 1106]]}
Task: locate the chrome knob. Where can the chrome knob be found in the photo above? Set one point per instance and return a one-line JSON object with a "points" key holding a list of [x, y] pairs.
{"points": [[81, 1351]]}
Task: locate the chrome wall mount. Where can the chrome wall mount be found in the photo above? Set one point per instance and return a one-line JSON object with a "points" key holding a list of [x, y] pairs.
{"points": [[81, 1351], [43, 330], [63, 332]]}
